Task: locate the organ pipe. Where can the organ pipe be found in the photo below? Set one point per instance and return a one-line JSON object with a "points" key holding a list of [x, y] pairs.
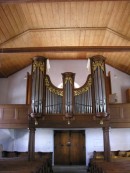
{"points": [[99, 87], [68, 87], [38, 86]]}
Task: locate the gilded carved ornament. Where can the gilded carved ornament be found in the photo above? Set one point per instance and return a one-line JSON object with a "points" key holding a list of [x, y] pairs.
{"points": [[68, 79], [51, 89], [84, 89], [96, 64], [38, 64]]}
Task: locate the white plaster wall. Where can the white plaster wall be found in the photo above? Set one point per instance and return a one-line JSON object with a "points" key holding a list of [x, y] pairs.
{"points": [[120, 139], [44, 140], [17, 87], [60, 66], [94, 142], [120, 82], [21, 140], [7, 139]]}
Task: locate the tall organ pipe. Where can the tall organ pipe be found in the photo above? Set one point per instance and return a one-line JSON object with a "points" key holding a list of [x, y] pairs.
{"points": [[68, 93], [98, 72], [38, 86]]}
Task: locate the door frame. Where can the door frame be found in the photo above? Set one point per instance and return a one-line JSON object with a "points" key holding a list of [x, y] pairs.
{"points": [[78, 130]]}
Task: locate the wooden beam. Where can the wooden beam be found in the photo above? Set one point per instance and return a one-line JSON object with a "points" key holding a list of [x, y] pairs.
{"points": [[36, 1], [67, 49]]}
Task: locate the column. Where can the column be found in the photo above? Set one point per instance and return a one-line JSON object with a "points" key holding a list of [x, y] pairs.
{"points": [[106, 143], [31, 144]]}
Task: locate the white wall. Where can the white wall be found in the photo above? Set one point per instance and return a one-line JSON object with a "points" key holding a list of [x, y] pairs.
{"points": [[44, 140], [94, 142], [60, 66], [21, 140], [7, 139], [13, 88], [17, 87], [120, 139], [120, 82]]}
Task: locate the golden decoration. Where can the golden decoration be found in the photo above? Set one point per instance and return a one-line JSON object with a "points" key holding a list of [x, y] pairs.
{"points": [[38, 64], [68, 79], [52, 89], [98, 64], [84, 89]]}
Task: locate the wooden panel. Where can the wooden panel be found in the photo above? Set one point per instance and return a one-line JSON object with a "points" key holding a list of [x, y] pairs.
{"points": [[12, 115], [8, 114], [119, 112], [23, 114], [115, 112]]}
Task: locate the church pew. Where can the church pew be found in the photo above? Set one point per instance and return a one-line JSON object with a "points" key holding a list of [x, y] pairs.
{"points": [[15, 166], [45, 157], [109, 167]]}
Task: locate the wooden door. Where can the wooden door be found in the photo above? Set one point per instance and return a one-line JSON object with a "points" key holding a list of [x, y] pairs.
{"points": [[69, 147]]}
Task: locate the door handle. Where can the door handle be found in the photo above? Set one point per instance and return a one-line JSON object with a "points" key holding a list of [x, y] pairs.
{"points": [[68, 143]]}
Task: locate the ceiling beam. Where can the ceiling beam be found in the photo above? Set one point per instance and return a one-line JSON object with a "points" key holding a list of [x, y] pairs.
{"points": [[36, 1], [67, 49]]}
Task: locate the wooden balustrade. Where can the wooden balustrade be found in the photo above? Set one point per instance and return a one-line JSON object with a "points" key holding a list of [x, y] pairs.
{"points": [[16, 116]]}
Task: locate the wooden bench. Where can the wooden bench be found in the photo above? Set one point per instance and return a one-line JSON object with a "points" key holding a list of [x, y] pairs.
{"points": [[14, 165], [115, 155], [109, 167]]}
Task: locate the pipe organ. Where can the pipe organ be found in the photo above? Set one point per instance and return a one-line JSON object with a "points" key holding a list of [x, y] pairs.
{"points": [[48, 99]]}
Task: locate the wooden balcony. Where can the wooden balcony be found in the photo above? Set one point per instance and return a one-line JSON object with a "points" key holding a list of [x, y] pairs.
{"points": [[16, 116]]}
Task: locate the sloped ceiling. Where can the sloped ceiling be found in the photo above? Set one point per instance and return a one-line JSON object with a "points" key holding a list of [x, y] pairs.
{"points": [[63, 30]]}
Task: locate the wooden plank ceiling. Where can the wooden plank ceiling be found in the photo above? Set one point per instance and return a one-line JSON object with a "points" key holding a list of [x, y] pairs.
{"points": [[63, 30]]}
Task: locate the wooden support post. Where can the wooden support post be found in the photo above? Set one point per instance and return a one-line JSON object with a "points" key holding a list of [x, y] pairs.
{"points": [[106, 143], [31, 144]]}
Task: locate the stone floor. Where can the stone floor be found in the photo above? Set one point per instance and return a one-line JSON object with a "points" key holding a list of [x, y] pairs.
{"points": [[70, 169]]}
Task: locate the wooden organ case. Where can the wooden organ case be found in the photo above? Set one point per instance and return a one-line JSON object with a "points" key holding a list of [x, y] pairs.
{"points": [[51, 105]]}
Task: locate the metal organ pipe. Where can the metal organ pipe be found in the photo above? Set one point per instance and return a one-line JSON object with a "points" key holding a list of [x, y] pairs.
{"points": [[83, 98], [54, 98], [38, 90], [98, 83], [68, 87]]}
